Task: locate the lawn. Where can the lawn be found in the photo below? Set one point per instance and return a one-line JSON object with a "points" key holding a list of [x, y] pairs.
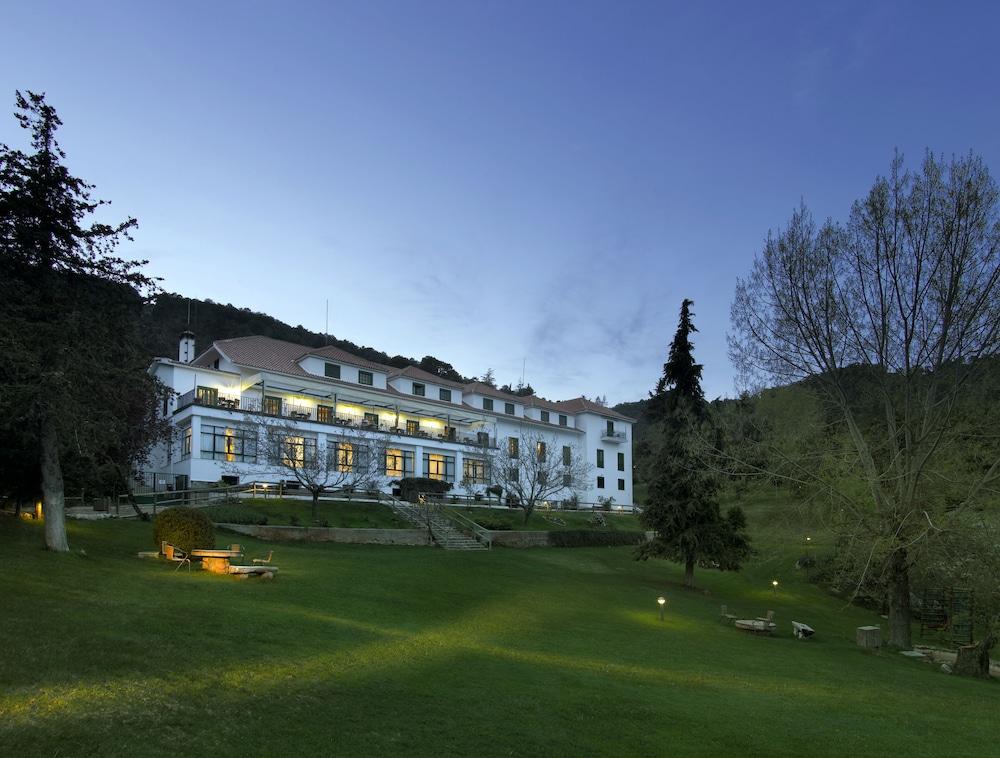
{"points": [[288, 511], [361, 650], [509, 518]]}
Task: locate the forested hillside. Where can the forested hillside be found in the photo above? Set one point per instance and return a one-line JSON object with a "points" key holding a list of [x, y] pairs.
{"points": [[167, 317]]}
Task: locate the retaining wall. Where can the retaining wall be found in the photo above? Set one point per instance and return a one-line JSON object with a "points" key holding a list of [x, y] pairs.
{"points": [[330, 534]]}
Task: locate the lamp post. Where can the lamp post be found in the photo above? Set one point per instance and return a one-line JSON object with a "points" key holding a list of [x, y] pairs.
{"points": [[662, 601], [774, 586]]}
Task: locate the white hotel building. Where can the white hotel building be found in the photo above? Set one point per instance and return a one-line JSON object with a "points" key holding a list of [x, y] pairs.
{"points": [[433, 425]]}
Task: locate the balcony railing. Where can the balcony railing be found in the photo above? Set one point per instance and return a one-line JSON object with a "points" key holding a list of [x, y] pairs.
{"points": [[613, 436], [343, 419]]}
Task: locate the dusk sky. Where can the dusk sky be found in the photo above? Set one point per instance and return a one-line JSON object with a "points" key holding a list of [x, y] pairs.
{"points": [[489, 182]]}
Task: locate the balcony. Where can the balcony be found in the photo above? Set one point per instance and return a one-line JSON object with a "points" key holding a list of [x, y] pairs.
{"points": [[612, 436], [342, 419]]}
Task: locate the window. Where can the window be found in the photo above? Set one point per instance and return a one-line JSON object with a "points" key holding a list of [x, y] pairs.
{"points": [[540, 451], [621, 461], [567, 455], [600, 482], [545, 416], [225, 444], [512, 473], [621, 484], [562, 420], [297, 451], [272, 405], [600, 459], [611, 429], [512, 447], [567, 480], [445, 395], [440, 467], [412, 427], [370, 420], [399, 463], [365, 377], [450, 433], [487, 404], [483, 438], [324, 414], [186, 444], [419, 389], [474, 471], [508, 408], [331, 370], [344, 456], [207, 396]]}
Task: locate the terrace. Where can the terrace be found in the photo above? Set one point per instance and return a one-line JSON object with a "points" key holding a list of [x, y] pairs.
{"points": [[363, 415]]}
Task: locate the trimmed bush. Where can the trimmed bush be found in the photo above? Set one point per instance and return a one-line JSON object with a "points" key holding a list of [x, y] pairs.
{"points": [[593, 538], [182, 527], [495, 526], [412, 486]]}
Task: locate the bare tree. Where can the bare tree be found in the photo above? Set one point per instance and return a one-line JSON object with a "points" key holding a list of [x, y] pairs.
{"points": [[355, 459], [534, 468], [886, 318]]}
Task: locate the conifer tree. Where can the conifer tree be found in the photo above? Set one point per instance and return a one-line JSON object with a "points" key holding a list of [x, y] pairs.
{"points": [[682, 500]]}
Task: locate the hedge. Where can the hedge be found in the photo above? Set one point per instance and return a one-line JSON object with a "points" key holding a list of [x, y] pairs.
{"points": [[412, 486], [182, 527], [592, 538]]}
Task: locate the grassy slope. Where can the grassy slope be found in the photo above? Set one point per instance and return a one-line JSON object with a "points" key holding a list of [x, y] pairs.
{"points": [[366, 649], [539, 521], [338, 513]]}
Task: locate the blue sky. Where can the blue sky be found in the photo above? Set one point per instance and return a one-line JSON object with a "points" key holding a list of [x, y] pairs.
{"points": [[496, 182]]}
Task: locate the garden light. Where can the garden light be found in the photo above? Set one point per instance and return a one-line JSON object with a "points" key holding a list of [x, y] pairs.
{"points": [[774, 586], [662, 602]]}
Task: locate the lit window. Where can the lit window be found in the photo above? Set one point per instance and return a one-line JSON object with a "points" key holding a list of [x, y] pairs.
{"points": [[540, 451], [512, 447], [474, 470]]}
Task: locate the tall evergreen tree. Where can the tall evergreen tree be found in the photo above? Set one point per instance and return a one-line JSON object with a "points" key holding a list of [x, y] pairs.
{"points": [[69, 309], [682, 498]]}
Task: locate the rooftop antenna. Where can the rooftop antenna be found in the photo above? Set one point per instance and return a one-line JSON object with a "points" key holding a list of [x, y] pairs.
{"points": [[189, 313], [523, 362], [326, 326]]}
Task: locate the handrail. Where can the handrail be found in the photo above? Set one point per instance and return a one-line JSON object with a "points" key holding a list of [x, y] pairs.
{"points": [[482, 534]]}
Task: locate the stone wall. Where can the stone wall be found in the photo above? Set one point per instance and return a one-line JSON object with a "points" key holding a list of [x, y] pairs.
{"points": [[330, 534], [519, 539]]}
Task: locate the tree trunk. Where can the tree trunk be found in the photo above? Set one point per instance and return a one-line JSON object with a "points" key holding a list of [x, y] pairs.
{"points": [[974, 660], [899, 601], [53, 493], [315, 504], [689, 572]]}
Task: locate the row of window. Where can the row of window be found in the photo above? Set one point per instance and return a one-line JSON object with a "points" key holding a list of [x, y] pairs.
{"points": [[600, 460], [600, 483], [332, 370], [420, 390]]}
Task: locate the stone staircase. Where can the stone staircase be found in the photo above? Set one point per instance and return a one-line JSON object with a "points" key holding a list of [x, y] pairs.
{"points": [[444, 532]]}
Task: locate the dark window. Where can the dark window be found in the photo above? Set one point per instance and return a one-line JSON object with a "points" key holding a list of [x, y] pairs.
{"points": [[207, 396], [332, 370], [621, 484], [483, 438], [512, 447], [545, 416], [567, 455], [370, 419], [567, 480], [487, 404], [508, 408], [445, 395], [419, 389], [186, 444], [621, 461], [600, 459], [412, 427], [365, 377], [600, 482], [474, 471], [324, 414], [562, 420], [611, 428], [449, 433], [272, 405]]}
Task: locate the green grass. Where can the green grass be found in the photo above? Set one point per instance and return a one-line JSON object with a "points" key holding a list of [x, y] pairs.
{"points": [[545, 521], [372, 650], [336, 513]]}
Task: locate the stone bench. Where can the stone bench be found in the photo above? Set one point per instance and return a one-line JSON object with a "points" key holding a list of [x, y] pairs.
{"points": [[245, 572]]}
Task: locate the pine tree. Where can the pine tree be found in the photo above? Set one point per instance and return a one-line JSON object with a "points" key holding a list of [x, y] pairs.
{"points": [[682, 499]]}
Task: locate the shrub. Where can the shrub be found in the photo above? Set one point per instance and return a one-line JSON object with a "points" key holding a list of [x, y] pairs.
{"points": [[183, 527], [591, 538], [496, 526], [412, 486]]}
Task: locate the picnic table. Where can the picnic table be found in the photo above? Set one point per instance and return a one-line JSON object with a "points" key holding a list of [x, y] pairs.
{"points": [[216, 561]]}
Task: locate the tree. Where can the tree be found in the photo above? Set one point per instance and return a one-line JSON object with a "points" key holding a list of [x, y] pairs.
{"points": [[489, 378], [682, 492], [64, 300], [532, 469], [886, 318], [355, 461]]}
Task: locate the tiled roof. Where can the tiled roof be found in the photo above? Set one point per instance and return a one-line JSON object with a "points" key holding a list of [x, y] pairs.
{"points": [[334, 353], [583, 405], [488, 390], [415, 372]]}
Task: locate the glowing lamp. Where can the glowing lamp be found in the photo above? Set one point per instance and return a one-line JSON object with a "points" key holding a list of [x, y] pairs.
{"points": [[774, 586], [662, 601]]}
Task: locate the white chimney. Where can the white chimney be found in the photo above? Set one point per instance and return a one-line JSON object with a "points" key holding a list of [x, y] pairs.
{"points": [[185, 353]]}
